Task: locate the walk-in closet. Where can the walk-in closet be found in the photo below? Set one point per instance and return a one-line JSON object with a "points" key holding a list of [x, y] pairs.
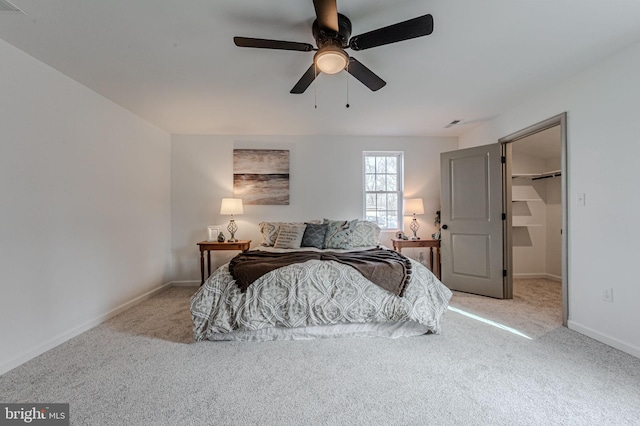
{"points": [[537, 206]]}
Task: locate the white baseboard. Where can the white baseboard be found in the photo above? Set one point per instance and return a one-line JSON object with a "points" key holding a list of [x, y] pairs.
{"points": [[538, 276], [61, 338], [192, 283], [604, 338]]}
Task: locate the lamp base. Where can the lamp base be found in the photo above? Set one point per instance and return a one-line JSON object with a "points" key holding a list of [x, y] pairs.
{"points": [[414, 226], [232, 228]]}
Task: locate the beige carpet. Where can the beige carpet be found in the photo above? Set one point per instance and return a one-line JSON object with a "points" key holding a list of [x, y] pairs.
{"points": [[536, 307], [142, 368]]}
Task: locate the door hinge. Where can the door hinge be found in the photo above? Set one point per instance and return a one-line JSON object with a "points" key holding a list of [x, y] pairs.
{"points": [[503, 159], [504, 272], [504, 216]]}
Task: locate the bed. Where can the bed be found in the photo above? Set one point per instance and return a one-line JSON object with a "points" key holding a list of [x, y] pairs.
{"points": [[340, 283]]}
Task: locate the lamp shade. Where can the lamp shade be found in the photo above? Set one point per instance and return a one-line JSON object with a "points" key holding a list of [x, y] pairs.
{"points": [[413, 206], [231, 206]]}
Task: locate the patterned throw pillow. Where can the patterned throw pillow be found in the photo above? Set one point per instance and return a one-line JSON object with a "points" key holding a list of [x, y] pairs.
{"points": [[339, 234], [314, 235], [290, 236], [366, 234], [269, 232]]}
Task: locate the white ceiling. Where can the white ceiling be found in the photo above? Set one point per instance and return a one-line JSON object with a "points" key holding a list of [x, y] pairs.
{"points": [[174, 62]]}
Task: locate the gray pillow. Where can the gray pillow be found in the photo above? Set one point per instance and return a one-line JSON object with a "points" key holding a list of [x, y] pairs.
{"points": [[314, 235], [339, 234]]}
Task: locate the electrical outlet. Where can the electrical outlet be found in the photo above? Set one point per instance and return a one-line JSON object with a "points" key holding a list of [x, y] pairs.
{"points": [[607, 295]]}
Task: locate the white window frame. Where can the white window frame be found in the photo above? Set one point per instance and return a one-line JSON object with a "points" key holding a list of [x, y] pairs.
{"points": [[399, 156]]}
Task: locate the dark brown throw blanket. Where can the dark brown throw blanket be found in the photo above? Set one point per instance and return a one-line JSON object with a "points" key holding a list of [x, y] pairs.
{"points": [[388, 269]]}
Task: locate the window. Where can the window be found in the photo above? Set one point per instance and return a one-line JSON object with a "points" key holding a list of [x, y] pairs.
{"points": [[383, 186]]}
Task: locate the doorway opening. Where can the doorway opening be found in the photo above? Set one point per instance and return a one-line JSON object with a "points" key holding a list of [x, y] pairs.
{"points": [[535, 243]]}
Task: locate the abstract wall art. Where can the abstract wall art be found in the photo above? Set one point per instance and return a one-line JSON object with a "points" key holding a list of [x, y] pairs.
{"points": [[261, 176]]}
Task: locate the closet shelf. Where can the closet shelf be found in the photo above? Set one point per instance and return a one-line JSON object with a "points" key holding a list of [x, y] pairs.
{"points": [[536, 176]]}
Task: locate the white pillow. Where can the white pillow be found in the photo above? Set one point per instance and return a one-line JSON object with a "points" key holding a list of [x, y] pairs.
{"points": [[290, 236], [366, 234], [269, 232]]}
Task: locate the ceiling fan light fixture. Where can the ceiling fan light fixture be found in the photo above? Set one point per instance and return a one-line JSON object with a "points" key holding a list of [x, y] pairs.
{"points": [[331, 59]]}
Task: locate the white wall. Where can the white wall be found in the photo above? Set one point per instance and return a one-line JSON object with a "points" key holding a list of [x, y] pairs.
{"points": [[603, 152], [325, 181], [84, 207]]}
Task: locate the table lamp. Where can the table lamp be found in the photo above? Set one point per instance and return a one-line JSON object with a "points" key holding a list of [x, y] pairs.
{"points": [[231, 206], [413, 206]]}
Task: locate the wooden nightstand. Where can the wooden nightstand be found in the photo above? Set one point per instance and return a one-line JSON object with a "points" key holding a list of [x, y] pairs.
{"points": [[398, 245], [242, 245]]}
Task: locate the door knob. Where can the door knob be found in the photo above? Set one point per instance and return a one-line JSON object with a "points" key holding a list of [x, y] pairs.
{"points": [[444, 226]]}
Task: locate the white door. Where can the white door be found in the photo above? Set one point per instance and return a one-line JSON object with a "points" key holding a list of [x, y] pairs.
{"points": [[472, 224]]}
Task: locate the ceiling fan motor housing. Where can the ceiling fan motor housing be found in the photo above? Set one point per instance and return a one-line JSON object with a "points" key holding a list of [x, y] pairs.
{"points": [[327, 37]]}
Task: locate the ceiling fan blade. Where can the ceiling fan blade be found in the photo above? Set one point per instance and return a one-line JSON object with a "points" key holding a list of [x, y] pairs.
{"points": [[327, 14], [262, 43], [416, 27], [305, 81], [365, 75]]}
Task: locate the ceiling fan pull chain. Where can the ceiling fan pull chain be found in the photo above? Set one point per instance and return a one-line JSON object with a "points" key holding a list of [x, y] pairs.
{"points": [[315, 85], [347, 74]]}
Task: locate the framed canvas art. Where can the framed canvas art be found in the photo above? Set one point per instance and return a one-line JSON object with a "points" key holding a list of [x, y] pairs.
{"points": [[261, 176]]}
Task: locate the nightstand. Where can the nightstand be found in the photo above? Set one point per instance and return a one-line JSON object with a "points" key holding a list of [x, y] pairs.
{"points": [[398, 245], [242, 245]]}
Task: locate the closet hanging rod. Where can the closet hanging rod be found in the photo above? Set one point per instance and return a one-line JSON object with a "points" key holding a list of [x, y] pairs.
{"points": [[552, 173], [547, 175]]}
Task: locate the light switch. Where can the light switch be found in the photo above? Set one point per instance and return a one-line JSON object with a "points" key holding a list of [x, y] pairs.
{"points": [[582, 199]]}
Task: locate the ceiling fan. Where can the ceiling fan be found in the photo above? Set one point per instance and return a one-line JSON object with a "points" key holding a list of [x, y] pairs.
{"points": [[331, 31]]}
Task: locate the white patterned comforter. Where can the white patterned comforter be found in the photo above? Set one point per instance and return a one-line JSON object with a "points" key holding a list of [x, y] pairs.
{"points": [[314, 293]]}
